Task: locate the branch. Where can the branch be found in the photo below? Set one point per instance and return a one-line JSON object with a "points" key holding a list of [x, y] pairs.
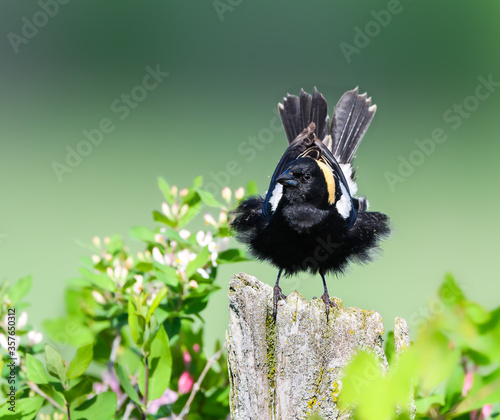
{"points": [[35, 388], [197, 385]]}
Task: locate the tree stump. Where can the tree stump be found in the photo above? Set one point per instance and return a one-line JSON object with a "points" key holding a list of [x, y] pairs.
{"points": [[292, 368]]}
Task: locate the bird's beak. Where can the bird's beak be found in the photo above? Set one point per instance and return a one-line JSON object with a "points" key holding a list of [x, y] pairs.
{"points": [[287, 179]]}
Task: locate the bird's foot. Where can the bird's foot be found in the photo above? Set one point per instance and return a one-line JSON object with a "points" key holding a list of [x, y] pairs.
{"points": [[328, 304], [278, 295]]}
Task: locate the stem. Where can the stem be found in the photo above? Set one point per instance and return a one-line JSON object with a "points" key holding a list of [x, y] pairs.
{"points": [[146, 385], [35, 388], [128, 410], [67, 410], [197, 385]]}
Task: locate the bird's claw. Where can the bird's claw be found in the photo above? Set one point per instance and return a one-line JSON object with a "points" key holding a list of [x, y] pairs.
{"points": [[277, 296], [328, 303]]}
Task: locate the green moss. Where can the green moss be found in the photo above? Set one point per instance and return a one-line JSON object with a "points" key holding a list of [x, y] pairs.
{"points": [[271, 355]]}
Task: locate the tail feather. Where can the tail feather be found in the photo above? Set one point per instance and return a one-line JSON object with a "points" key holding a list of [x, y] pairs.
{"points": [[298, 112], [350, 121]]}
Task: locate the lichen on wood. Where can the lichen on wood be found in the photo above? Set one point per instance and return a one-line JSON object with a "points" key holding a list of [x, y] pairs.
{"points": [[292, 368]]}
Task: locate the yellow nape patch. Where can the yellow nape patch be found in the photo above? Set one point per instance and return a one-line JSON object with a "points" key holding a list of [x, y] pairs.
{"points": [[330, 181]]}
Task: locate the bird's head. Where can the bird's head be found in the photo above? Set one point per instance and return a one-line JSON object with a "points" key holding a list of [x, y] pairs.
{"points": [[308, 180]]}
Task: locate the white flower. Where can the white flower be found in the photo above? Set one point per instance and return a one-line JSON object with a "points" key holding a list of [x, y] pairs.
{"points": [[22, 320], [160, 258], [203, 273], [222, 217], [34, 337], [96, 241], [183, 259], [204, 238], [138, 286], [96, 259], [216, 247], [118, 275], [129, 263], [226, 193], [193, 284], [98, 297], [166, 210], [184, 209], [184, 234], [174, 190], [209, 219], [159, 238], [184, 192], [175, 209], [239, 193]]}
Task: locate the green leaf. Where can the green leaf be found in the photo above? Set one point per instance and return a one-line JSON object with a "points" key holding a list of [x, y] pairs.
{"points": [[166, 274], [19, 290], [160, 366], [198, 182], [142, 233], [449, 292], [156, 302], [101, 407], [165, 189], [126, 385], [82, 388], [26, 408], [144, 266], [99, 279], [251, 188], [231, 256], [200, 260], [81, 361], [208, 198], [485, 395], [136, 323], [68, 330], [160, 217], [55, 364], [424, 404], [36, 371], [195, 207]]}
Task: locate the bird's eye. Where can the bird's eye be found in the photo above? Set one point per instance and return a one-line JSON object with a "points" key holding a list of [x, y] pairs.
{"points": [[307, 177]]}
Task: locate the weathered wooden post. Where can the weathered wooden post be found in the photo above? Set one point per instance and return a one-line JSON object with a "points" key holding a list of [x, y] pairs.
{"points": [[293, 368]]}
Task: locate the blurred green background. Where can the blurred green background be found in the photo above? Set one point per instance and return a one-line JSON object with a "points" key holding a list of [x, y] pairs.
{"points": [[229, 63]]}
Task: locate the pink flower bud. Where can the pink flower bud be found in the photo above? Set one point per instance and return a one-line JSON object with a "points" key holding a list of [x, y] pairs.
{"points": [[466, 387], [486, 411], [185, 383], [196, 347], [187, 357]]}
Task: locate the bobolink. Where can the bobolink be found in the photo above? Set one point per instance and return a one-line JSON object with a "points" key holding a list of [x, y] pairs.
{"points": [[310, 219]]}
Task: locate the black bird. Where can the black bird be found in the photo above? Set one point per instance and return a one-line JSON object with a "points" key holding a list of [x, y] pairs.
{"points": [[310, 219]]}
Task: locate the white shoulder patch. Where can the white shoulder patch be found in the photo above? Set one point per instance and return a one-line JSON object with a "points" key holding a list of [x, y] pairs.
{"points": [[347, 170], [276, 196], [344, 204]]}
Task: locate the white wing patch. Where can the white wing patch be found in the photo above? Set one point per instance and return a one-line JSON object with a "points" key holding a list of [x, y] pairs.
{"points": [[347, 170], [344, 204], [276, 196]]}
